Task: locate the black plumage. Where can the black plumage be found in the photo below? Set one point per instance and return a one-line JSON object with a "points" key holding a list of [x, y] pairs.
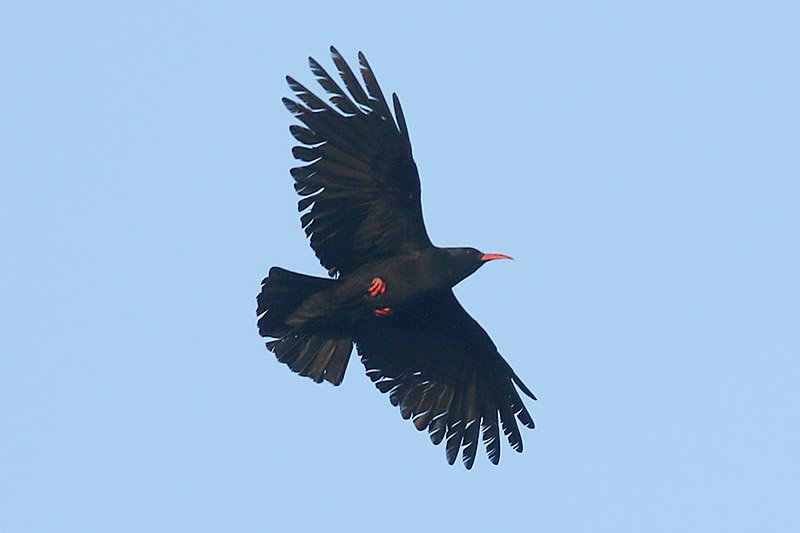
{"points": [[392, 293]]}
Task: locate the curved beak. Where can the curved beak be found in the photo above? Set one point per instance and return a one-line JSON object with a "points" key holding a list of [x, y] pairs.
{"points": [[490, 257]]}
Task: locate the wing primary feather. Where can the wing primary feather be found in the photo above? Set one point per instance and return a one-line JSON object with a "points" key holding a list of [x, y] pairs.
{"points": [[411, 398], [522, 386], [455, 418], [423, 400], [491, 431], [303, 153], [314, 102], [471, 417], [348, 158], [337, 95], [350, 80], [430, 401], [293, 107], [324, 120], [438, 425], [510, 427], [471, 436], [377, 98], [455, 434], [335, 130], [305, 135], [342, 172], [401, 121]]}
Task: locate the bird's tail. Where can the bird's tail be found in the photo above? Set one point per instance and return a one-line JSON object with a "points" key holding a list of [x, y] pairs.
{"points": [[321, 354]]}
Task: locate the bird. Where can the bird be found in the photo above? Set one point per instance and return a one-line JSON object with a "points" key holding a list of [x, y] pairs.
{"points": [[390, 290]]}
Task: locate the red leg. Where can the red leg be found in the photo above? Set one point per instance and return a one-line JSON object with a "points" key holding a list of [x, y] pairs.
{"points": [[383, 312], [378, 287]]}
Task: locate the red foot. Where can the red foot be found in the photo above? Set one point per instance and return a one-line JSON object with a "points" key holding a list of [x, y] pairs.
{"points": [[383, 312], [378, 287]]}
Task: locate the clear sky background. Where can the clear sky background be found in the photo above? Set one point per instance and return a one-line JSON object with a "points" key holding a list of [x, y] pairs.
{"points": [[638, 159]]}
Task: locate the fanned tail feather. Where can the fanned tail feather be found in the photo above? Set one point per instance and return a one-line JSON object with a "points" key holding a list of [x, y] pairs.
{"points": [[319, 354]]}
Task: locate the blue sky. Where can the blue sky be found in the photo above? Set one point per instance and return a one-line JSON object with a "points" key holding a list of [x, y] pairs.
{"points": [[639, 160]]}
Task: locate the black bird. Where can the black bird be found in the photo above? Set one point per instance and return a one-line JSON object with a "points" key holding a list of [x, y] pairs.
{"points": [[392, 289]]}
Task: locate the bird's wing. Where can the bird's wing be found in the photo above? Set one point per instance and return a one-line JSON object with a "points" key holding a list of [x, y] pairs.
{"points": [[360, 186], [443, 371]]}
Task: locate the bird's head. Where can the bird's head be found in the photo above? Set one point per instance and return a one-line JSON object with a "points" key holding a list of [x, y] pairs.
{"points": [[461, 262]]}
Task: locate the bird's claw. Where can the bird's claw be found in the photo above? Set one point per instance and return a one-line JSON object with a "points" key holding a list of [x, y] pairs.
{"points": [[383, 312], [378, 287]]}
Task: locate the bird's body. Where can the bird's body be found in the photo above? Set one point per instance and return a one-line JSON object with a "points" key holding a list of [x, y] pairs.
{"points": [[406, 279], [392, 295]]}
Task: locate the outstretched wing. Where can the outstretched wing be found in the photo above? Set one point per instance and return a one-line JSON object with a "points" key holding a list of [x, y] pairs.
{"points": [[360, 188], [443, 371]]}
